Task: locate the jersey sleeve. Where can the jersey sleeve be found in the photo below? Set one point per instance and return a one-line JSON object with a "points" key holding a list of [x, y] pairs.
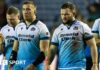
{"points": [[54, 40], [87, 33], [95, 28], [44, 33]]}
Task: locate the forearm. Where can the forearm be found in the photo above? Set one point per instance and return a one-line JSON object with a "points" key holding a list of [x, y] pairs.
{"points": [[42, 56], [13, 56], [53, 65], [44, 47], [39, 59], [51, 54], [94, 55], [92, 44], [15, 45]]}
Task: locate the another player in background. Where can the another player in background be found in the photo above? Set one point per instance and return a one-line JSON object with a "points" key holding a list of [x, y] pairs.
{"points": [[8, 31], [1, 52], [68, 42], [96, 32], [32, 40]]}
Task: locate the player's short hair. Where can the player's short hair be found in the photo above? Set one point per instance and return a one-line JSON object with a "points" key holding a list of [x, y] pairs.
{"points": [[70, 6], [29, 2], [12, 10]]}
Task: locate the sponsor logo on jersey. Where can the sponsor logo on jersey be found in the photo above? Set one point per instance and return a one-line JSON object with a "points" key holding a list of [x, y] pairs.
{"points": [[21, 28], [75, 28], [32, 29], [61, 28], [8, 30], [47, 33]]}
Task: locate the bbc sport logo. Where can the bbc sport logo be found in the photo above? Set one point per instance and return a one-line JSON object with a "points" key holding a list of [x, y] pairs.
{"points": [[6, 62]]}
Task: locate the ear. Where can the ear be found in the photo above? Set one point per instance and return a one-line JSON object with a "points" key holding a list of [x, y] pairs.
{"points": [[74, 12], [35, 10], [19, 16]]}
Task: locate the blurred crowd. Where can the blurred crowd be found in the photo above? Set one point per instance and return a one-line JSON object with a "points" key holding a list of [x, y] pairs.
{"points": [[92, 9]]}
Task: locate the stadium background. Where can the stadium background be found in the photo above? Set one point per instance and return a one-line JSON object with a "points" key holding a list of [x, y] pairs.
{"points": [[48, 11]]}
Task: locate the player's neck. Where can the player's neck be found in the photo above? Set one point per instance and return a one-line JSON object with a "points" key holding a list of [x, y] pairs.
{"points": [[70, 22], [29, 22]]}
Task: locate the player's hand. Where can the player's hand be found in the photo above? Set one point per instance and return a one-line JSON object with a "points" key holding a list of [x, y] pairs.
{"points": [[94, 67], [30, 67], [9, 67]]}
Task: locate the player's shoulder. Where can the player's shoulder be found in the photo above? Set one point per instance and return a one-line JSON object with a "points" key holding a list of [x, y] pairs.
{"points": [[59, 28], [4, 27], [98, 20], [20, 24], [80, 23], [40, 24]]}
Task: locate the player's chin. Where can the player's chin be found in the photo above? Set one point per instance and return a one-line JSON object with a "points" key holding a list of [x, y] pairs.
{"points": [[27, 18], [64, 21]]}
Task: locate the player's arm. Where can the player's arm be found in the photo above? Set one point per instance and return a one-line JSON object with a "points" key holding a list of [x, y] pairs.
{"points": [[44, 44], [53, 47], [13, 55], [1, 43], [51, 53], [15, 45], [44, 47], [95, 30], [96, 38], [94, 54], [90, 40]]}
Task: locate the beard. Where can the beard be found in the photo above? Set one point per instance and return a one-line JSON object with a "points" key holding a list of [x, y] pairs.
{"points": [[28, 19], [69, 22]]}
